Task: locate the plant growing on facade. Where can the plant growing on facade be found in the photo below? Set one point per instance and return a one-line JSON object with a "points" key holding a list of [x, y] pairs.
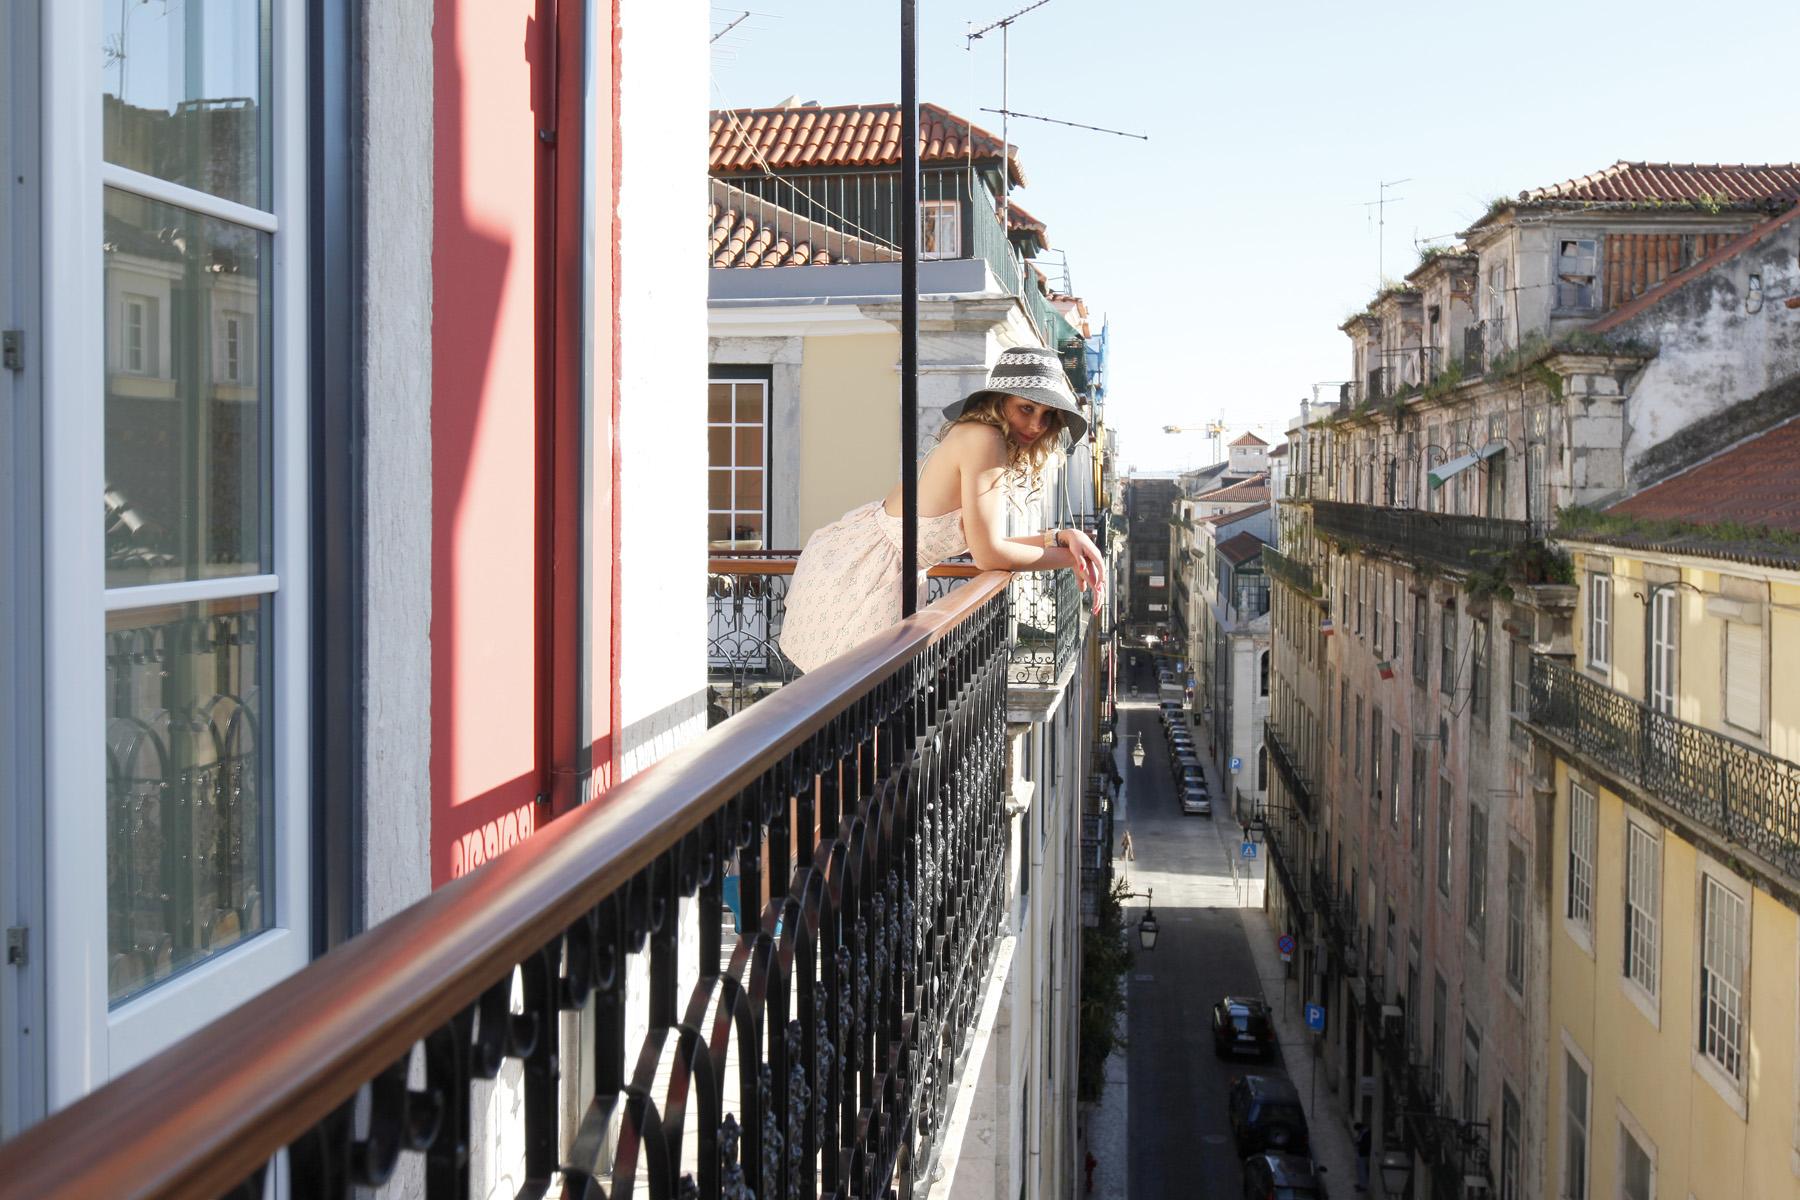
{"points": [[1105, 957]]}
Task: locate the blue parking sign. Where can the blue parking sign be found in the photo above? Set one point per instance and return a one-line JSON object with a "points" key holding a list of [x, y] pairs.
{"points": [[1315, 1017], [1247, 850], [1237, 764]]}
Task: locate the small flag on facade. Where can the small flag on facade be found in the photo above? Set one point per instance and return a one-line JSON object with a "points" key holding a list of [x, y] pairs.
{"points": [[1386, 669], [1325, 626]]}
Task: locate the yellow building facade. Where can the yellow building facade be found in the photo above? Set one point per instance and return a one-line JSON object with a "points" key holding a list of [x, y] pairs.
{"points": [[1667, 725]]}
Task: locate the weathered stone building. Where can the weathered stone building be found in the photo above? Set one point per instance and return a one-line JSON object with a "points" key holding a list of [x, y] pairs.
{"points": [[1529, 370]]}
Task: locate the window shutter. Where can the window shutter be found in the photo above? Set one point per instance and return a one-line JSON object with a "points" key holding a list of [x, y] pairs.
{"points": [[1743, 675]]}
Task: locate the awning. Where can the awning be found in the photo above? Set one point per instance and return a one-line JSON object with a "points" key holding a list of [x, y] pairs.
{"points": [[1438, 474]]}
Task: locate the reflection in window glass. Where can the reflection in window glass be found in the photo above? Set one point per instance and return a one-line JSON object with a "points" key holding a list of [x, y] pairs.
{"points": [[186, 399], [184, 84], [188, 849]]}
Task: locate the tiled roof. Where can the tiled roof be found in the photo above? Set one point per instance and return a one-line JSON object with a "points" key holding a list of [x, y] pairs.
{"points": [[747, 231], [1723, 251], [1254, 488], [809, 137], [1638, 182], [1018, 218], [1236, 514], [1247, 439], [1280, 451], [1241, 547], [1755, 483]]}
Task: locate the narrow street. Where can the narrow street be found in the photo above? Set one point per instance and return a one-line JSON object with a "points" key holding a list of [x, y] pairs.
{"points": [[1180, 1133]]}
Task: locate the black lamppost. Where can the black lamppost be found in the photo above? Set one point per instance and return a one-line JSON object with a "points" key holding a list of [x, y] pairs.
{"points": [[1396, 1173], [1148, 929]]}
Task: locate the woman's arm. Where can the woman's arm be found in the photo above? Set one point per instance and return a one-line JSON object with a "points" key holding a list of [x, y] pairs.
{"points": [[981, 461]]}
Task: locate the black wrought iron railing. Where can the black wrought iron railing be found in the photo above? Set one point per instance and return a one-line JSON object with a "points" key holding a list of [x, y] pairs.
{"points": [[1279, 858], [1049, 619], [1743, 794], [1462, 543], [1288, 769], [860, 812], [746, 605]]}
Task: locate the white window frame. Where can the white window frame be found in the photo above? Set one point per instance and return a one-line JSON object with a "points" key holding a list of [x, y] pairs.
{"points": [[137, 334], [1630, 1128], [1640, 970], [1718, 885], [1599, 620], [732, 425], [90, 1043], [1579, 863], [1665, 651], [940, 228], [1572, 1056]]}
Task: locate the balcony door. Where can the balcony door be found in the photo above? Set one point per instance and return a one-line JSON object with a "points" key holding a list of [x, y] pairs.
{"points": [[173, 797]]}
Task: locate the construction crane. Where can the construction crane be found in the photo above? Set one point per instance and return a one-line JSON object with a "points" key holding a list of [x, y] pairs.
{"points": [[1212, 430]]}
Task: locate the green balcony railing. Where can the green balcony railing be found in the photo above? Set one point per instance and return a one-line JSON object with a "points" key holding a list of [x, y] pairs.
{"points": [[1296, 575]]}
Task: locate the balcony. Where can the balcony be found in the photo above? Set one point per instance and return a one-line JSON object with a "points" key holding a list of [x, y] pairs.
{"points": [[1289, 771], [747, 603], [860, 812], [1459, 543], [1739, 793], [1279, 858]]}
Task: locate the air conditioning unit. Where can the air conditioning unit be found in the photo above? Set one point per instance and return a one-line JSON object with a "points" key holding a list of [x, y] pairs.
{"points": [[1476, 1187], [1393, 1022]]}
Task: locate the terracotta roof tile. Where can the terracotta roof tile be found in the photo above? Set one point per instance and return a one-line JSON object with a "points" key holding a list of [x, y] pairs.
{"points": [[1722, 251], [1756, 482], [1638, 182], [1236, 514], [845, 135], [1241, 547], [1254, 488], [1247, 439], [1279, 451]]}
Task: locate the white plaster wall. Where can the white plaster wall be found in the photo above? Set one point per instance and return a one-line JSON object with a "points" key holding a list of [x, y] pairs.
{"points": [[1712, 352], [662, 314], [396, 153]]}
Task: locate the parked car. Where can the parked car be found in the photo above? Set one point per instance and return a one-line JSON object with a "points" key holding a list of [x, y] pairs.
{"points": [[1243, 1024], [1196, 802], [1283, 1177], [1171, 712], [1266, 1115], [1189, 776]]}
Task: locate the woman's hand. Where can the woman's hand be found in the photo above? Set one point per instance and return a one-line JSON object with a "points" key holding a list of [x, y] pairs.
{"points": [[1089, 567]]}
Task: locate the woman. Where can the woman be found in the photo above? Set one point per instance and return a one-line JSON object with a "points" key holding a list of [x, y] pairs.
{"points": [[845, 588]]}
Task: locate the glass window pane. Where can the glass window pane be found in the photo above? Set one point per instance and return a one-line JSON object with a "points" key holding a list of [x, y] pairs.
{"points": [[718, 527], [750, 403], [187, 484], [749, 447], [749, 490], [189, 864], [718, 489], [186, 84], [718, 402], [718, 447]]}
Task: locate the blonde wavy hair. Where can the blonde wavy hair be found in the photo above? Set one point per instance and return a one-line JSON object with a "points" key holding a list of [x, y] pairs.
{"points": [[1024, 464]]}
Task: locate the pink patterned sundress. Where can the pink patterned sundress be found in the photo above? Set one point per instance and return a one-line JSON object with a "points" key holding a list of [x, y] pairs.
{"points": [[845, 588]]}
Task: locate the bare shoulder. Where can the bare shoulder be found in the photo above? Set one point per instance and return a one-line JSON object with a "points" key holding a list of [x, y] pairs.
{"points": [[976, 445]]}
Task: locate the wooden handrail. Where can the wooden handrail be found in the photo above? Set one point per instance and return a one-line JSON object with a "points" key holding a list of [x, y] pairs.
{"points": [[782, 563], [200, 1117]]}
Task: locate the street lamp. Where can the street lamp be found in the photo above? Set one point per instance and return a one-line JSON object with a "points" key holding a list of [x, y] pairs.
{"points": [[1147, 926], [1396, 1172], [1137, 750]]}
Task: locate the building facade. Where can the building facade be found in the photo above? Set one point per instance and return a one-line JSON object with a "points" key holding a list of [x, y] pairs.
{"points": [[1525, 373]]}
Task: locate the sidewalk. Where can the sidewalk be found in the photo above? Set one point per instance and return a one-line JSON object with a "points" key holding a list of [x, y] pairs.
{"points": [[1326, 1119], [1109, 1122]]}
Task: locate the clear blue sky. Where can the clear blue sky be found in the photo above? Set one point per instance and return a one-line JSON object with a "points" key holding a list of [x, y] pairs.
{"points": [[1227, 248]]}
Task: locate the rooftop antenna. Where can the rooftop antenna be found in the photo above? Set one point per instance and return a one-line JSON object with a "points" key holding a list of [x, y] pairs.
{"points": [[1004, 25], [1379, 204]]}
